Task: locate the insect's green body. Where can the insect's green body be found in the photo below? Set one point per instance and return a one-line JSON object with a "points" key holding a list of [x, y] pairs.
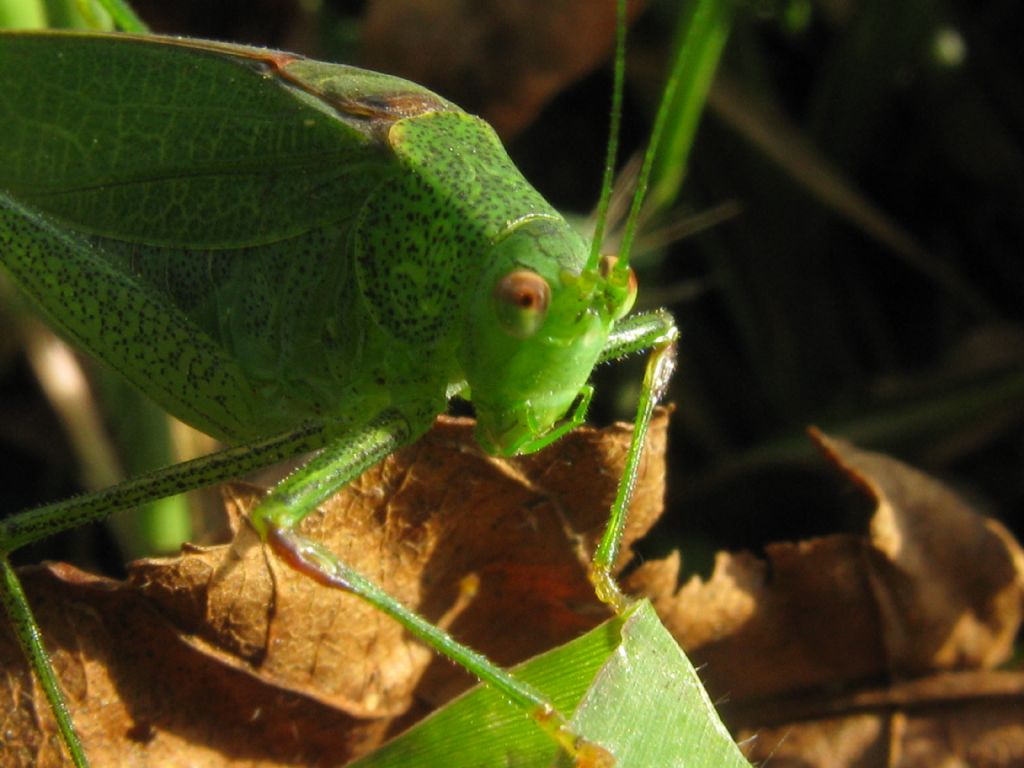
{"points": [[341, 279], [297, 256]]}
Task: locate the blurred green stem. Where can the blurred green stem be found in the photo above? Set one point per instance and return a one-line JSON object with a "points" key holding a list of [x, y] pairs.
{"points": [[700, 37], [22, 14]]}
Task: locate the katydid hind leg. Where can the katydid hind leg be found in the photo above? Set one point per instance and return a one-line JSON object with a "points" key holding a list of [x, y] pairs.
{"points": [[347, 455], [26, 631], [36, 524], [655, 331]]}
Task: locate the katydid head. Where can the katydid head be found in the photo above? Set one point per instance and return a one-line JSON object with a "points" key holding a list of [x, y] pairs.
{"points": [[535, 329], [543, 312]]}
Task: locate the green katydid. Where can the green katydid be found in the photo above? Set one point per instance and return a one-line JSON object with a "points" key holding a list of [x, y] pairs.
{"points": [[391, 257]]}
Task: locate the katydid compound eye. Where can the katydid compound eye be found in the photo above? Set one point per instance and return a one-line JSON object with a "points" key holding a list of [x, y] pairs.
{"points": [[521, 301]]}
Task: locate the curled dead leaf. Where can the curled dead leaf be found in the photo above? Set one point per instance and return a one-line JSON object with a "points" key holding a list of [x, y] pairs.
{"points": [[949, 583]]}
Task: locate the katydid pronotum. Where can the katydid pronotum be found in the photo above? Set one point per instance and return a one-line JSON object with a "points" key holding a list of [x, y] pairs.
{"points": [[389, 259]]}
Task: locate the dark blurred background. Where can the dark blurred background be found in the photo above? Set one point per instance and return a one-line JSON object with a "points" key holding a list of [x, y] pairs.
{"points": [[846, 250]]}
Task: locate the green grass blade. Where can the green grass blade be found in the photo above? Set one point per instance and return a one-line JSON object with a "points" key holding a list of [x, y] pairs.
{"points": [[54, 14], [141, 431], [125, 18], [647, 704], [626, 672], [700, 38], [22, 14], [481, 728]]}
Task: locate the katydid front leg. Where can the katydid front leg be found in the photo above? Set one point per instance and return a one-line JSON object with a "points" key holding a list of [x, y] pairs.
{"points": [[657, 332]]}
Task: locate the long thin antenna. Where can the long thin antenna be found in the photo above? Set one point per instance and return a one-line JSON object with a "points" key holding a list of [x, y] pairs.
{"points": [[613, 135]]}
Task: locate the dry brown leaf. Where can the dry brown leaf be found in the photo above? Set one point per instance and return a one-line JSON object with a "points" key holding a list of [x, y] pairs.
{"points": [[949, 719], [931, 586], [949, 583], [803, 619], [224, 656], [501, 60], [142, 697]]}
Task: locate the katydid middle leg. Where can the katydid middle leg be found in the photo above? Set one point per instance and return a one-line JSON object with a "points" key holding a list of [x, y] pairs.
{"points": [[277, 517], [343, 459]]}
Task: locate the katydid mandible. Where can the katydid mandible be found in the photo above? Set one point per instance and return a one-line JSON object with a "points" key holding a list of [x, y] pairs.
{"points": [[390, 258]]}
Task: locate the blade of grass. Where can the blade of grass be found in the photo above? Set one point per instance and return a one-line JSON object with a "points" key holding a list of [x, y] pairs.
{"points": [[637, 695], [700, 37]]}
